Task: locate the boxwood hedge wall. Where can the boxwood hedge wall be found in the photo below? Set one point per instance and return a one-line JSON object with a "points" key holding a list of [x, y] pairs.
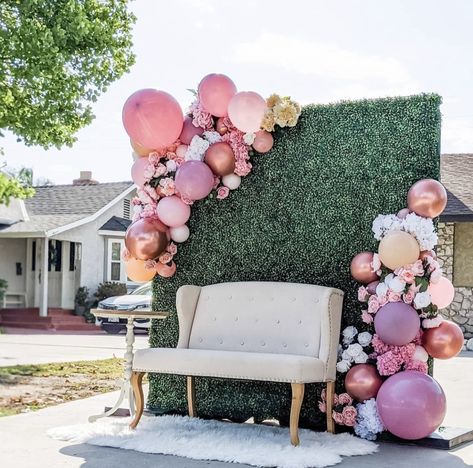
{"points": [[300, 216]]}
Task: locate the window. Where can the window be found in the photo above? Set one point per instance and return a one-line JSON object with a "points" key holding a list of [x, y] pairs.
{"points": [[462, 254], [126, 208], [115, 267], [72, 256], [33, 256]]}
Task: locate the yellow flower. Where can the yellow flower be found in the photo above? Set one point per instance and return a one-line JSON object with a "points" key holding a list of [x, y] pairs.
{"points": [[273, 100], [268, 121], [285, 113]]}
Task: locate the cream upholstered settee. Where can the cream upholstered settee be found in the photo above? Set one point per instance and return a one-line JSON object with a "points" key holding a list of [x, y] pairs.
{"points": [[268, 331]]}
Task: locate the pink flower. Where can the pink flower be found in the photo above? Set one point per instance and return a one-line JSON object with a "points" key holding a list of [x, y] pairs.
{"points": [[200, 117], [148, 172], [337, 417], [383, 300], [408, 297], [373, 305], [216, 182], [323, 395], [376, 263], [187, 201], [154, 158], [323, 406], [349, 414], [151, 191], [222, 192], [165, 257], [172, 248], [149, 211], [160, 170], [417, 268], [393, 296], [435, 276], [389, 363], [417, 366], [406, 275], [335, 399], [345, 399], [366, 317], [363, 294], [150, 265], [167, 186], [126, 255]]}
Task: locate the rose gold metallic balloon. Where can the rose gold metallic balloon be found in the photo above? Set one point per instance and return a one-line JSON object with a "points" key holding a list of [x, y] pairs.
{"points": [[263, 141], [136, 271], [444, 341], [220, 158], [398, 248], [166, 270], [362, 382], [361, 269], [221, 127], [427, 198], [146, 238]]}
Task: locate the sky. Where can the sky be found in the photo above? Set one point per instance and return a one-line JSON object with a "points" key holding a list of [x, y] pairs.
{"points": [[315, 51]]}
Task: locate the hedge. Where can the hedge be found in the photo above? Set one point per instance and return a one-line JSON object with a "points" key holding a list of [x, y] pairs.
{"points": [[301, 215]]}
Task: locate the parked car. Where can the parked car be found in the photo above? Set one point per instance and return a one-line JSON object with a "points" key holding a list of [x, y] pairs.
{"points": [[140, 298]]}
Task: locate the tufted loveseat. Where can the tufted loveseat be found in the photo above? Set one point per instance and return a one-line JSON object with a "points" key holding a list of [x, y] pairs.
{"points": [[268, 331]]}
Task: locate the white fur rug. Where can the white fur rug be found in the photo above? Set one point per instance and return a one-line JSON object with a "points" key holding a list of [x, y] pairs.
{"points": [[253, 444]]}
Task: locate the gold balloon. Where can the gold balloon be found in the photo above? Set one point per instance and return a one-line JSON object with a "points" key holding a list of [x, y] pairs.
{"points": [[444, 341], [361, 268], [136, 271], [398, 248], [220, 158], [427, 197]]}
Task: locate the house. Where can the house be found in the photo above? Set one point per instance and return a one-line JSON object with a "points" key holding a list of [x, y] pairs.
{"points": [[455, 249], [73, 232]]}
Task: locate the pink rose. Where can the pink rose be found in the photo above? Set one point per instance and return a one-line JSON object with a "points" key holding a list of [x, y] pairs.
{"points": [[366, 317], [349, 414], [216, 182], [335, 399], [322, 406], [345, 399], [187, 201], [150, 265], [323, 394], [393, 296], [148, 172], [160, 170], [222, 192], [373, 305], [376, 263], [172, 248], [363, 294], [408, 297], [407, 276], [417, 268], [337, 417], [154, 158], [165, 257], [383, 300]]}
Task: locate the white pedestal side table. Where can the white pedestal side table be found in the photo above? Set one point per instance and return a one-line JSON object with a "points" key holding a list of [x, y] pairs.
{"points": [[126, 391]]}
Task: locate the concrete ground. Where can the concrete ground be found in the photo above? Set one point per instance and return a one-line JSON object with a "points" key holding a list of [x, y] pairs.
{"points": [[25, 444], [25, 347]]}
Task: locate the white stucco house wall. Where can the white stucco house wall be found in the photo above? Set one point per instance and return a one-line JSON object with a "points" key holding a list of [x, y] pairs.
{"points": [[73, 232]]}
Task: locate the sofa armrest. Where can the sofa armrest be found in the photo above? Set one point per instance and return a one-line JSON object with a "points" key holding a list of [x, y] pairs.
{"points": [[330, 333], [187, 298]]}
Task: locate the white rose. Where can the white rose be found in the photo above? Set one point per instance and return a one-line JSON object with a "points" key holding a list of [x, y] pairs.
{"points": [[381, 289], [212, 137], [346, 356], [171, 166], [422, 299], [361, 358], [420, 354], [364, 338], [343, 366], [433, 322], [348, 334], [396, 284], [354, 349]]}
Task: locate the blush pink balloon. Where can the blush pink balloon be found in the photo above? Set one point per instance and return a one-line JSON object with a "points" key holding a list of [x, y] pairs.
{"points": [[215, 92], [246, 111], [263, 141], [189, 131], [442, 292], [396, 323], [194, 180], [172, 211], [152, 118], [138, 169]]}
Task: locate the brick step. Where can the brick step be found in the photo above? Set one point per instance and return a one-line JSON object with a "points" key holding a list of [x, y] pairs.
{"points": [[78, 327], [4, 320], [29, 325]]}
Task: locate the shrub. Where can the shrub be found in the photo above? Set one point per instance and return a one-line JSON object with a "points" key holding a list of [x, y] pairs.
{"points": [[109, 289]]}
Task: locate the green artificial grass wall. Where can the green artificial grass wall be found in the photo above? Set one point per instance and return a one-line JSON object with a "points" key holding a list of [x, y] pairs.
{"points": [[301, 215]]}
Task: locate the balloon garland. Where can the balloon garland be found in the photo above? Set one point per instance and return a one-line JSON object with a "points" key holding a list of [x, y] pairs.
{"points": [[181, 159], [403, 292]]}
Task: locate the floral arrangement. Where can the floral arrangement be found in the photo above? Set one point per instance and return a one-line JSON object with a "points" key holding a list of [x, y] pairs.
{"points": [[351, 351], [368, 423], [187, 158], [344, 413]]}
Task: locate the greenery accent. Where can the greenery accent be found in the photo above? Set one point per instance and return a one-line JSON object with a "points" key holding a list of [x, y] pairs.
{"points": [[301, 215]]}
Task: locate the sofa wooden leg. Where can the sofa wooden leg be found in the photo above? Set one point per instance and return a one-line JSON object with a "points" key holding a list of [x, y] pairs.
{"points": [[329, 399], [191, 396], [296, 403], [136, 384]]}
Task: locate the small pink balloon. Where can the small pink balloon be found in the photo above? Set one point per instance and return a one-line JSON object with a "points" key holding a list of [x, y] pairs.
{"points": [[442, 292], [189, 131], [181, 151], [172, 211], [180, 233], [371, 288], [152, 118], [215, 92], [194, 180], [401, 214], [138, 169], [246, 111], [263, 141]]}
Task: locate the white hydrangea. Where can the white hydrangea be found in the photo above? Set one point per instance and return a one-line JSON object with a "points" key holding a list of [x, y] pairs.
{"points": [[364, 338], [349, 334], [422, 299], [368, 423], [197, 149], [360, 358], [346, 356], [212, 137], [354, 350], [385, 223], [343, 366]]}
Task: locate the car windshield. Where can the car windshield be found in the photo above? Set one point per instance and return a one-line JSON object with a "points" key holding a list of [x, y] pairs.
{"points": [[144, 290]]}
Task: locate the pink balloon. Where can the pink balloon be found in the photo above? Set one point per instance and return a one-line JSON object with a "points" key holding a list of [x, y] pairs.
{"points": [[152, 118], [263, 141], [189, 131], [246, 111], [403, 213], [397, 323], [411, 404], [215, 92], [442, 292], [172, 211], [371, 288], [194, 180], [137, 171]]}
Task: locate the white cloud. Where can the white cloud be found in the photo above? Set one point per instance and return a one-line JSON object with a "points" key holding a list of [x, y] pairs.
{"points": [[457, 134]]}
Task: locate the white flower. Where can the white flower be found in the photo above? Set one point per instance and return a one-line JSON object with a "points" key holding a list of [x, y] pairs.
{"points": [[361, 358], [197, 149], [368, 422], [249, 138], [385, 223], [346, 356], [422, 299], [348, 334], [364, 338], [339, 350], [397, 285], [137, 209], [212, 137], [171, 166], [343, 366], [420, 354], [381, 289], [433, 322], [354, 349]]}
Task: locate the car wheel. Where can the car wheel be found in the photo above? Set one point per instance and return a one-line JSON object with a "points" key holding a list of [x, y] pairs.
{"points": [[113, 329]]}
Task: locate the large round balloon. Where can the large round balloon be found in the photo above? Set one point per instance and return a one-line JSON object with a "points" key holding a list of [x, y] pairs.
{"points": [[442, 292], [139, 149], [215, 92], [397, 323], [152, 118], [427, 197], [263, 141], [147, 238], [444, 341], [220, 158], [411, 404], [172, 211], [361, 268], [362, 382], [246, 111], [138, 171], [397, 249], [189, 131], [194, 180], [136, 271]]}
